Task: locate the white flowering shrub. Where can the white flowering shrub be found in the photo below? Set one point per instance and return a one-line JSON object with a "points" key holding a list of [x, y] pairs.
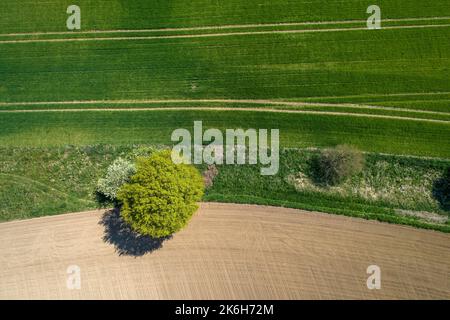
{"points": [[119, 173]]}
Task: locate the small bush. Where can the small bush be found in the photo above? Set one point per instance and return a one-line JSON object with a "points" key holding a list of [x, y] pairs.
{"points": [[209, 175], [118, 173], [334, 166], [161, 197]]}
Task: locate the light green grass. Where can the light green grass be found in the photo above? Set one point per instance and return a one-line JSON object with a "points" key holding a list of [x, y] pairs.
{"points": [[45, 181], [156, 127]]}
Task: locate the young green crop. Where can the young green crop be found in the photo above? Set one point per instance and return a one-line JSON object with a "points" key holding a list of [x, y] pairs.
{"points": [[139, 14], [273, 66], [155, 127]]}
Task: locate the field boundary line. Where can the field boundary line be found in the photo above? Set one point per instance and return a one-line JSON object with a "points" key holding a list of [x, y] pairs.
{"points": [[216, 35], [227, 101], [362, 115], [216, 27]]}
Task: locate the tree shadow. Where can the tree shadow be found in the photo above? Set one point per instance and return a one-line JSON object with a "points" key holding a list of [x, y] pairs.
{"points": [[125, 240], [441, 190]]}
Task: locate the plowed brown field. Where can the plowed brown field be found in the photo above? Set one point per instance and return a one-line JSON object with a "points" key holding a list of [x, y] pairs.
{"points": [[227, 252]]}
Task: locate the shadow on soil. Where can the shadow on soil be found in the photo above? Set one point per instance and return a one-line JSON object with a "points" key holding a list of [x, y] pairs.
{"points": [[126, 241]]}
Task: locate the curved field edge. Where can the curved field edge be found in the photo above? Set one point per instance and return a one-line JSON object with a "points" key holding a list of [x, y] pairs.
{"points": [[223, 245], [383, 215]]}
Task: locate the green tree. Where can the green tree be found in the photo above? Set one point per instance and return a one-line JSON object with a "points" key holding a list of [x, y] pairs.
{"points": [[162, 196]]}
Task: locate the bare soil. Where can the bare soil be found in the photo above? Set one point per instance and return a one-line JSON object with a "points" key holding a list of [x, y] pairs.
{"points": [[226, 252]]}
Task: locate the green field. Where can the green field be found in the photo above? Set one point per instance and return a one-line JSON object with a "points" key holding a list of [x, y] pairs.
{"points": [[384, 91], [32, 16], [247, 67], [155, 127]]}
